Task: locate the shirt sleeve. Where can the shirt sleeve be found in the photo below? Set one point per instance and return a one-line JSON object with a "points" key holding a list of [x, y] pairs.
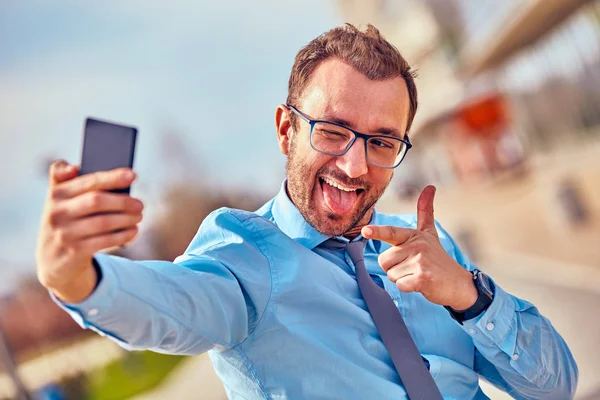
{"points": [[212, 296], [517, 348]]}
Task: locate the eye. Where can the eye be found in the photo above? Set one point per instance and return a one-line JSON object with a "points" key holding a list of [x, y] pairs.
{"points": [[381, 143], [333, 133]]}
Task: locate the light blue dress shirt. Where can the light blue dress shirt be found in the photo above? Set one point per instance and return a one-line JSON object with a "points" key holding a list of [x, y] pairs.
{"points": [[283, 318]]}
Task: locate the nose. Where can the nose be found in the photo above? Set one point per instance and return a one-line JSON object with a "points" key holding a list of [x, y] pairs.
{"points": [[354, 161]]}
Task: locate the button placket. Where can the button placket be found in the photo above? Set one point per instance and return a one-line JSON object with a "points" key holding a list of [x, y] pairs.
{"points": [[392, 290]]}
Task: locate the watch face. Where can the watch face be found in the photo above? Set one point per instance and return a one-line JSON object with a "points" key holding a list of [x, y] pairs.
{"points": [[485, 284]]}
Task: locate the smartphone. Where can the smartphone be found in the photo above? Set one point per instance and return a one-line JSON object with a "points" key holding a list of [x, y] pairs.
{"points": [[107, 146]]}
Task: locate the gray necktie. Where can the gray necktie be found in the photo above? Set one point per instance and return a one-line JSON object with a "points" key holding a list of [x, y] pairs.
{"points": [[414, 375]]}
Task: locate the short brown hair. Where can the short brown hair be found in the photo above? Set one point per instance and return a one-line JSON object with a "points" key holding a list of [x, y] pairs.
{"points": [[366, 51]]}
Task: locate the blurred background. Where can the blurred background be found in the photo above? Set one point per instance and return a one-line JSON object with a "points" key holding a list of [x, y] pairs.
{"points": [[508, 129]]}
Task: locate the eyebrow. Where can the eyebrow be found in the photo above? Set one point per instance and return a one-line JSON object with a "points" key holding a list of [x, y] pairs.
{"points": [[382, 130]]}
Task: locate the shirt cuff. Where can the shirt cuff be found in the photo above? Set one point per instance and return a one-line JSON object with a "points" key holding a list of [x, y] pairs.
{"points": [[496, 326], [102, 299]]}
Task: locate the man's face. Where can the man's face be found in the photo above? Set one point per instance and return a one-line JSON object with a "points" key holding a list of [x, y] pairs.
{"points": [[337, 193]]}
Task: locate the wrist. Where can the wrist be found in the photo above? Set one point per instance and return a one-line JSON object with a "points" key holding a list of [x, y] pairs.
{"points": [[79, 288], [468, 293]]}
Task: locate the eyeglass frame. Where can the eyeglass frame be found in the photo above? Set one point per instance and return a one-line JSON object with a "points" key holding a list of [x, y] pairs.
{"points": [[366, 137]]}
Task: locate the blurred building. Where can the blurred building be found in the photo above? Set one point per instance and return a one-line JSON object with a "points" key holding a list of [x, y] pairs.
{"points": [[505, 88], [496, 79]]}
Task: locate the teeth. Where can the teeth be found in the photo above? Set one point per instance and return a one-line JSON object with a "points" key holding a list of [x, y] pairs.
{"points": [[337, 185]]}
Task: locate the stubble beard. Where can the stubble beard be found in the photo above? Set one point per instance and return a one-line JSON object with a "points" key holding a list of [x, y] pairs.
{"points": [[300, 187]]}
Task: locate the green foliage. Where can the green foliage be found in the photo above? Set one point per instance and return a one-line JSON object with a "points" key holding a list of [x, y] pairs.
{"points": [[132, 375]]}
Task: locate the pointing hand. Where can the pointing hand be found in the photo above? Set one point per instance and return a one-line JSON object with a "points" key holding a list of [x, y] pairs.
{"points": [[417, 262]]}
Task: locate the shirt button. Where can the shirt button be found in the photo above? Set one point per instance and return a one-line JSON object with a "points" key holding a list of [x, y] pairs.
{"points": [[490, 326], [396, 303], [92, 312], [472, 331], [515, 357]]}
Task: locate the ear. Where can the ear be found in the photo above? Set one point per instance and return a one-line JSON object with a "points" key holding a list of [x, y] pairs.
{"points": [[284, 128]]}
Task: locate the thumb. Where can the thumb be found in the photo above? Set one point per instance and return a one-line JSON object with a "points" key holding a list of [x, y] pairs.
{"points": [[425, 219], [61, 171]]}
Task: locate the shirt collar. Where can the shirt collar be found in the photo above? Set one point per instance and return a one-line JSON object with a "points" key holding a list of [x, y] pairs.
{"points": [[292, 223], [289, 220]]}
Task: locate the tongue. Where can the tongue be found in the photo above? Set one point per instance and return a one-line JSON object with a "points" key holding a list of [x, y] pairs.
{"points": [[339, 201]]}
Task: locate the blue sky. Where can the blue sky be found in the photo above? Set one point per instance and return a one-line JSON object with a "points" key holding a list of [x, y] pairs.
{"points": [[211, 71]]}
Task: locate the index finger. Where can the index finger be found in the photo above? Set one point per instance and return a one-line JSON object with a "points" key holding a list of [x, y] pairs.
{"points": [[60, 171], [119, 178], [389, 234]]}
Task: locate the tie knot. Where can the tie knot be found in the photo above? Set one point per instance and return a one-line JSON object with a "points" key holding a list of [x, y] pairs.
{"points": [[355, 249]]}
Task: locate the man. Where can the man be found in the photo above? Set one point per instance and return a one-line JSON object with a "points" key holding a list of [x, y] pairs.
{"points": [[281, 298]]}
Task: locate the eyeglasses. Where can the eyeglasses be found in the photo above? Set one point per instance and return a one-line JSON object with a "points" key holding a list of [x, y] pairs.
{"points": [[334, 139]]}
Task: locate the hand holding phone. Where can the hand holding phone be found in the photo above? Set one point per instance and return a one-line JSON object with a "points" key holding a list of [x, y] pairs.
{"points": [[88, 210]]}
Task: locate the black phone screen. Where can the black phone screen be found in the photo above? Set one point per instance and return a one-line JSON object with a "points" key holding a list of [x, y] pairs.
{"points": [[107, 146]]}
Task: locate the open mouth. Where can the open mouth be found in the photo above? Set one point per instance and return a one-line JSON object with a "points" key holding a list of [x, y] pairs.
{"points": [[339, 198]]}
